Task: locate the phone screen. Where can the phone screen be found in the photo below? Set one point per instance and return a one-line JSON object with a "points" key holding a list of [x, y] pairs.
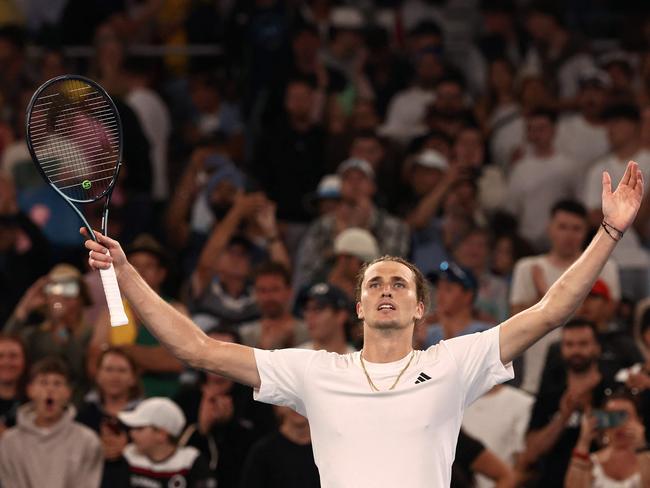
{"points": [[608, 419]]}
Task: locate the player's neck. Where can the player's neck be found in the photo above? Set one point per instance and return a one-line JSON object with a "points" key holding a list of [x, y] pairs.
{"points": [[379, 348]]}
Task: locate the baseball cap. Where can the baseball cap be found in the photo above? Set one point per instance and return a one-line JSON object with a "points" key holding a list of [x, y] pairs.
{"points": [[430, 158], [358, 164], [325, 295], [147, 243], [600, 289], [158, 412], [357, 242], [329, 187], [455, 273]]}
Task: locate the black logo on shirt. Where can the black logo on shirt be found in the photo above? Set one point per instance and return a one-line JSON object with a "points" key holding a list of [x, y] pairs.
{"points": [[422, 377]]}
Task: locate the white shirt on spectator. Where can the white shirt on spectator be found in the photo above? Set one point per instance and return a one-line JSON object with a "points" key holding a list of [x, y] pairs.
{"points": [[523, 292], [507, 133], [628, 253], [401, 437], [406, 112], [500, 420], [584, 143], [535, 185]]}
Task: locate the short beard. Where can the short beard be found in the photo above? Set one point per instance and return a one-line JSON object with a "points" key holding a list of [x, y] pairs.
{"points": [[386, 325]]}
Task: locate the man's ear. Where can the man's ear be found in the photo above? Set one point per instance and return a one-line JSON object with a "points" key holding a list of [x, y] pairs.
{"points": [[419, 311], [359, 311]]}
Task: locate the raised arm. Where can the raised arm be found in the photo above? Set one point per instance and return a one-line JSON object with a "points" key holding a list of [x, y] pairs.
{"points": [[177, 332], [565, 295]]}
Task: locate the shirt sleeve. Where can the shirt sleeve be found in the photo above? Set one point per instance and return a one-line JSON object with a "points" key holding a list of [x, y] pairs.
{"points": [[478, 358], [282, 374]]}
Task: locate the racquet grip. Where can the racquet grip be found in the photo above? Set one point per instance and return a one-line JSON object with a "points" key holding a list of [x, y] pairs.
{"points": [[113, 297]]}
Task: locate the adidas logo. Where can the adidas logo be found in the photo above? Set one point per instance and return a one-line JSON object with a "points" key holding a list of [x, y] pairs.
{"points": [[422, 377]]}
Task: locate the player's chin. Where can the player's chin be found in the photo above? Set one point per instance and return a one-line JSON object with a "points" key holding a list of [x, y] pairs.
{"points": [[386, 324]]}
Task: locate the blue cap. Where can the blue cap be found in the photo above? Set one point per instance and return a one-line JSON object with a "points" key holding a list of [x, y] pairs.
{"points": [[455, 273]]}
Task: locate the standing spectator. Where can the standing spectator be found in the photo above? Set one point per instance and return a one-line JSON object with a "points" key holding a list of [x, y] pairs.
{"points": [[619, 462], [456, 290], [47, 447], [326, 310], [13, 365], [539, 179], [283, 459], [355, 210], [61, 330], [499, 419], [154, 457], [276, 328], [623, 131], [565, 395], [533, 276], [159, 369]]}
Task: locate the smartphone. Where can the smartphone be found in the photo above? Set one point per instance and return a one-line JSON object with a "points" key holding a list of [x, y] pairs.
{"points": [[606, 419]]}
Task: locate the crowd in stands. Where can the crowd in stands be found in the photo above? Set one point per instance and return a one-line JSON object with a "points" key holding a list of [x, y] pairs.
{"points": [[468, 136]]}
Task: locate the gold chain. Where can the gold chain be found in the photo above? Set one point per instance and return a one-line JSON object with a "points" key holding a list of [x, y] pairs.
{"points": [[372, 385]]}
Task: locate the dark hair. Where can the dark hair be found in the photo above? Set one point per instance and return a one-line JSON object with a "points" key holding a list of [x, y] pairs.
{"points": [[50, 365], [367, 134], [627, 111], [136, 390], [16, 339], [570, 206], [580, 323], [420, 281], [301, 27], [544, 112], [272, 268], [425, 28], [623, 393]]}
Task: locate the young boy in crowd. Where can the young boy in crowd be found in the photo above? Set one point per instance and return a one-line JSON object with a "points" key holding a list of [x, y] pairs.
{"points": [[47, 447]]}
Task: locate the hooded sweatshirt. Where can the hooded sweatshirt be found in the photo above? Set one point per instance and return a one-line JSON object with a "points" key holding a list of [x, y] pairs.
{"points": [[64, 455]]}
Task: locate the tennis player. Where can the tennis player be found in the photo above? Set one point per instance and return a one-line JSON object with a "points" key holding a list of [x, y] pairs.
{"points": [[387, 416]]}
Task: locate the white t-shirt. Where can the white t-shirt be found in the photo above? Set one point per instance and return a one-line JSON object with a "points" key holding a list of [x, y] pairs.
{"points": [[522, 292], [404, 437], [535, 185], [500, 421], [406, 113], [628, 253]]}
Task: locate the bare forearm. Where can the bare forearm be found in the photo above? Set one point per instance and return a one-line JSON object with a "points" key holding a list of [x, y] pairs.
{"points": [[155, 359], [578, 475], [541, 441]]}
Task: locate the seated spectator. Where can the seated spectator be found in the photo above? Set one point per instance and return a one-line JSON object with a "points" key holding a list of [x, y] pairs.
{"points": [[619, 462], [154, 457], [117, 388], [352, 248], [277, 327], [327, 312], [60, 296], [428, 181], [533, 276], [539, 179], [159, 369], [507, 250], [283, 459], [473, 457], [47, 447], [455, 293], [327, 195], [566, 393], [499, 419], [356, 209], [13, 366]]}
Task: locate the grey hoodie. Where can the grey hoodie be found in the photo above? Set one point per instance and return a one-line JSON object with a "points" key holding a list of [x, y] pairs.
{"points": [[65, 455]]}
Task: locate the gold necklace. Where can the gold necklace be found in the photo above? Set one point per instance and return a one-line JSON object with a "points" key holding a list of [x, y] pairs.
{"points": [[372, 385]]}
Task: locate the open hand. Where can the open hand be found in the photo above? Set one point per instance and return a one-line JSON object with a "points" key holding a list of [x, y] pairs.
{"points": [[621, 206]]}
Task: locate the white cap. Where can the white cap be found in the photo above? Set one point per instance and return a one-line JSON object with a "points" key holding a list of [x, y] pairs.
{"points": [[430, 158], [346, 18], [358, 164], [157, 412], [329, 187], [357, 242]]}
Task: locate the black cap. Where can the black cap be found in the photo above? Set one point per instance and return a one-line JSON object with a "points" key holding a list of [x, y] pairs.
{"points": [[455, 273], [324, 294], [626, 111]]}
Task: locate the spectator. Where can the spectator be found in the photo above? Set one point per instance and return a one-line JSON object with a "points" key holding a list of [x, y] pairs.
{"points": [[47, 447], [622, 122], [499, 419], [326, 310], [154, 456], [533, 275], [13, 366], [473, 457], [565, 395], [355, 210], [352, 248], [20, 264], [327, 195], [283, 459], [508, 249], [456, 290], [60, 296], [428, 182], [276, 328], [159, 369], [539, 179], [618, 462]]}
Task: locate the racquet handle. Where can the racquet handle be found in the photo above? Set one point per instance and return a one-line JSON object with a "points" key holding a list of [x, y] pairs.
{"points": [[113, 297]]}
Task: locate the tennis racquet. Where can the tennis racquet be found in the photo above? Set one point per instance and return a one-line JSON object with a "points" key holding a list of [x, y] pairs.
{"points": [[74, 135]]}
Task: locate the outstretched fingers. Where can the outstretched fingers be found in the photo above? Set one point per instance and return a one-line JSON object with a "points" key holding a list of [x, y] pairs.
{"points": [[607, 184]]}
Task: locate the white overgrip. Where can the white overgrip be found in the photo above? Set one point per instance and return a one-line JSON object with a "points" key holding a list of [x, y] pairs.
{"points": [[113, 297]]}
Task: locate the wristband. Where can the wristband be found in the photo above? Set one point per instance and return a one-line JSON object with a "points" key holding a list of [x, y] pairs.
{"points": [[580, 455], [612, 231]]}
